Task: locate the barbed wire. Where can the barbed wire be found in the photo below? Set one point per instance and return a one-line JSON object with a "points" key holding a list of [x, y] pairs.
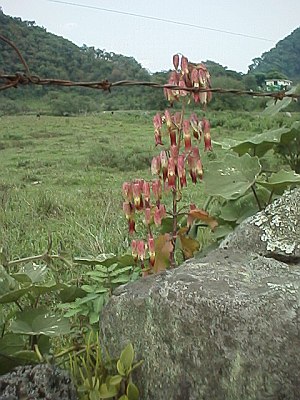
{"points": [[26, 78]]}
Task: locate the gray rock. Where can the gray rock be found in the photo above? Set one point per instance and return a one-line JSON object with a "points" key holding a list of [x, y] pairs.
{"points": [[273, 232], [41, 381], [225, 327]]}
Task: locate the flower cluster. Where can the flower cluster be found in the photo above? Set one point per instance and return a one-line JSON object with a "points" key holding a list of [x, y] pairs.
{"points": [[170, 164], [181, 138], [189, 75]]}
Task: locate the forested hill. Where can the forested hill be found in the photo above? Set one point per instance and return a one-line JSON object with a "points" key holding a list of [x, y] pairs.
{"points": [[52, 56], [284, 58]]}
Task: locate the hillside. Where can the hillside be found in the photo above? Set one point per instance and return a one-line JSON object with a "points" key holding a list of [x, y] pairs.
{"points": [[48, 55], [283, 58], [52, 56]]}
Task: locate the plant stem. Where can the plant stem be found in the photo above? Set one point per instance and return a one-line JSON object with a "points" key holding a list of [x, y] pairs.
{"points": [[256, 198], [174, 231]]}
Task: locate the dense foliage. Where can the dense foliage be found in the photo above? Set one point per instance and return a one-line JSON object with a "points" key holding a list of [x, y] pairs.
{"points": [[282, 59]]}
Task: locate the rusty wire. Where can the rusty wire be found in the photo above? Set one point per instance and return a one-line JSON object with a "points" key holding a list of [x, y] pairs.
{"points": [[26, 78]]}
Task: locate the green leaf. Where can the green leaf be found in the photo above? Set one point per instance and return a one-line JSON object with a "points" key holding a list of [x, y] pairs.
{"points": [[231, 177], [107, 392], [14, 295], [70, 293], [94, 394], [123, 397], [11, 343], [120, 271], [132, 391], [121, 368], [260, 143], [105, 259], [127, 356], [121, 280], [115, 380], [40, 321], [222, 230], [280, 180], [22, 357], [35, 273]]}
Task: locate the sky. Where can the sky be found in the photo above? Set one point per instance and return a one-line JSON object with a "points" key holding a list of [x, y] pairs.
{"points": [[229, 32]]}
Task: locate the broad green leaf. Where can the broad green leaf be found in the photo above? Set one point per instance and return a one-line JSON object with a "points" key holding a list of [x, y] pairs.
{"points": [[14, 295], [132, 391], [22, 357], [291, 135], [120, 280], [280, 180], [70, 293], [40, 321], [93, 317], [94, 394], [259, 144], [222, 230], [231, 177], [11, 343], [166, 225], [36, 273], [127, 356], [245, 206]]}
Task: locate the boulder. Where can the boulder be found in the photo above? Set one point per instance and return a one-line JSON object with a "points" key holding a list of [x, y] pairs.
{"points": [[224, 327], [42, 381]]}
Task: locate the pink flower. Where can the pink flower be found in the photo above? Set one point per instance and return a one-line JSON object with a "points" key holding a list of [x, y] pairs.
{"points": [[157, 189], [184, 65], [171, 173], [187, 135], [206, 130], [181, 170], [151, 250], [141, 250], [155, 165], [174, 153], [172, 133], [127, 191], [134, 250], [176, 61], [164, 164], [137, 195], [131, 226], [168, 118], [147, 216], [128, 209], [146, 191], [157, 121], [159, 214]]}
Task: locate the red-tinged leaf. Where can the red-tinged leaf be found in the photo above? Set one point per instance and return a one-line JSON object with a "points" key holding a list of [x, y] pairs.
{"points": [[204, 217], [163, 249], [188, 245]]}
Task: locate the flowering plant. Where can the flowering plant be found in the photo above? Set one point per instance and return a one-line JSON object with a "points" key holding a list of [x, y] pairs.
{"points": [[180, 136]]}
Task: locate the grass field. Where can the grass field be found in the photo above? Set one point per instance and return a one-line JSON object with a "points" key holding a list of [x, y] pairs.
{"points": [[62, 176]]}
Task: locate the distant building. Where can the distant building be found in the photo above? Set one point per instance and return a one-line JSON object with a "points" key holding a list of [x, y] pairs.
{"points": [[277, 84]]}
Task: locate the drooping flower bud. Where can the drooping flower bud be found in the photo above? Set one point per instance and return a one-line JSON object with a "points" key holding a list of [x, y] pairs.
{"points": [[147, 216], [168, 119], [184, 65], [176, 61], [181, 170], [151, 250], [157, 189], [174, 153], [127, 191], [207, 138], [187, 135], [134, 250], [164, 164], [131, 226], [137, 195], [141, 250], [128, 209], [146, 191], [155, 165], [172, 133], [171, 173]]}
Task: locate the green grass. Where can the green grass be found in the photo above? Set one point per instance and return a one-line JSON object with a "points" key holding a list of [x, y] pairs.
{"points": [[62, 176]]}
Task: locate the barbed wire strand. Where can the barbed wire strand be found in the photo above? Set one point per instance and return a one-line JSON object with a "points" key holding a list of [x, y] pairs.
{"points": [[19, 79]]}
